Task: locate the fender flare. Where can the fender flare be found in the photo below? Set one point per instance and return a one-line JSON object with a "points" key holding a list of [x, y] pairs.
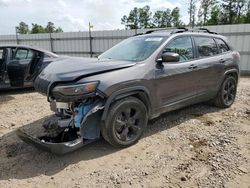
{"points": [[125, 93], [234, 70]]}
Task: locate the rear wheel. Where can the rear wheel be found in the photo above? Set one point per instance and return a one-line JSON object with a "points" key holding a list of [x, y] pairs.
{"points": [[227, 93], [125, 123]]}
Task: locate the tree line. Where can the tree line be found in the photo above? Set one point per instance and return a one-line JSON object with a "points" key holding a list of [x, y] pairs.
{"points": [[209, 12], [23, 28]]}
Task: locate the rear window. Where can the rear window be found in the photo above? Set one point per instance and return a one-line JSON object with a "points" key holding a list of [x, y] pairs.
{"points": [[206, 46], [222, 45]]}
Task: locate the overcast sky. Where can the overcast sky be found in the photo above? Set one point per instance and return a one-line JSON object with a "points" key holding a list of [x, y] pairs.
{"points": [[74, 15]]}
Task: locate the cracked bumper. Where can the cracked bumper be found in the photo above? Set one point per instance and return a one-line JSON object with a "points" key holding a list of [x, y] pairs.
{"points": [[56, 148]]}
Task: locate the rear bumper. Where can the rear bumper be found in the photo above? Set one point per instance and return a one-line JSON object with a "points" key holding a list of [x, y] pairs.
{"points": [[56, 148]]}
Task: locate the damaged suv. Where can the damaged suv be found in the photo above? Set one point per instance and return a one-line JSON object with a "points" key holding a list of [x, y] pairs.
{"points": [[140, 78]]}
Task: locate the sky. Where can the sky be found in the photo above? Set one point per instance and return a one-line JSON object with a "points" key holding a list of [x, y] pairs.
{"points": [[74, 15]]}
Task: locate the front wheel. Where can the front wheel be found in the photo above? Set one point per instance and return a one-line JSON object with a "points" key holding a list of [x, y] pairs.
{"points": [[227, 93], [125, 123]]}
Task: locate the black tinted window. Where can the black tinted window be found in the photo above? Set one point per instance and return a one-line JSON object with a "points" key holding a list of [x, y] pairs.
{"points": [[1, 54], [206, 46], [182, 46], [1, 58], [222, 45]]}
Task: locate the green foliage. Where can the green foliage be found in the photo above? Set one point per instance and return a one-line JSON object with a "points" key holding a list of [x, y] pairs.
{"points": [[206, 10], [214, 16], [140, 18], [23, 28], [210, 12], [234, 11], [37, 29], [162, 18], [175, 14]]}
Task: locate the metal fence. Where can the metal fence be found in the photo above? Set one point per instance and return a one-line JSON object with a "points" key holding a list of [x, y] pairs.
{"points": [[79, 43]]}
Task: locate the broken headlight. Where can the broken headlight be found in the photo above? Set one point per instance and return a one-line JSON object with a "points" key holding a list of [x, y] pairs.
{"points": [[77, 89]]}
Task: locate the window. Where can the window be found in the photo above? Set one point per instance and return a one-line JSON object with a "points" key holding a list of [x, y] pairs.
{"points": [[22, 54], [133, 49], [1, 54], [1, 58], [206, 46], [182, 46], [222, 45]]}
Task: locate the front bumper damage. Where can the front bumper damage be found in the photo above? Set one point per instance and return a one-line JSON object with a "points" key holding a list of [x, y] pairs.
{"points": [[69, 131], [57, 148]]}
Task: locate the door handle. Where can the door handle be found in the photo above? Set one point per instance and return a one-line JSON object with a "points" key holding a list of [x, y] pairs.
{"points": [[222, 60], [193, 66]]}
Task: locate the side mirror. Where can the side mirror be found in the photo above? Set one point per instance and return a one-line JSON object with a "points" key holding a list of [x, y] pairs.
{"points": [[170, 57]]}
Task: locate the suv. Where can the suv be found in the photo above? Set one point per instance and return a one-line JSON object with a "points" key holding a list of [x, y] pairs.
{"points": [[140, 78]]}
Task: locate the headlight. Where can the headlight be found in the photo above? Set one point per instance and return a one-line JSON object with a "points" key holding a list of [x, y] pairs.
{"points": [[77, 89]]}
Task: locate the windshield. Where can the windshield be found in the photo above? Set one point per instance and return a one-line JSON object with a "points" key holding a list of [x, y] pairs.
{"points": [[133, 49]]}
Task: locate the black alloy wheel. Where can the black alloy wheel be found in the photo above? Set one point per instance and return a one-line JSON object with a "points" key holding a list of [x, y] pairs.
{"points": [[126, 121]]}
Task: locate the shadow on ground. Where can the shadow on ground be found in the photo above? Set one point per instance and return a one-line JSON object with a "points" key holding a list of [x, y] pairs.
{"points": [[20, 161], [7, 94]]}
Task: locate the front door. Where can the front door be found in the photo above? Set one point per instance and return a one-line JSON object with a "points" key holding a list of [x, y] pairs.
{"points": [[176, 82]]}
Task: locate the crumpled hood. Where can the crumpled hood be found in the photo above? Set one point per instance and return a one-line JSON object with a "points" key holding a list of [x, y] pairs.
{"points": [[72, 68]]}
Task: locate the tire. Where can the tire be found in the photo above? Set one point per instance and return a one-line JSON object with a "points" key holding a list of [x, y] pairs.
{"points": [[125, 123], [227, 93]]}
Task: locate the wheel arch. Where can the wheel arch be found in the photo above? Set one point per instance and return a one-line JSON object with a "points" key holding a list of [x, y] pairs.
{"points": [[232, 72], [140, 92]]}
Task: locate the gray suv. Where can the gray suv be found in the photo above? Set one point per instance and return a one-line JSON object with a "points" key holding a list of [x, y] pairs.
{"points": [[140, 78]]}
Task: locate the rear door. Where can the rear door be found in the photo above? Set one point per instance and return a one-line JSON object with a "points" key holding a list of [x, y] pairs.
{"points": [[18, 67], [3, 59], [209, 66]]}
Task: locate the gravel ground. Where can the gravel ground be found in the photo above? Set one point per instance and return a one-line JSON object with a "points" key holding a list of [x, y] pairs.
{"points": [[199, 146]]}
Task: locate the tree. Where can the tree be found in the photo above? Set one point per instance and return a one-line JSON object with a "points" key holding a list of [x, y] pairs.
{"points": [[192, 12], [59, 30], [214, 16], [240, 5], [23, 28], [50, 28], [132, 21], [124, 21], [138, 18], [229, 11], [175, 14], [145, 17], [162, 19], [205, 9], [37, 29], [246, 17]]}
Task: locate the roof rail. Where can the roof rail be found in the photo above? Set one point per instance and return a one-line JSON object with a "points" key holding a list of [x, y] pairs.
{"points": [[207, 30], [179, 30], [153, 30]]}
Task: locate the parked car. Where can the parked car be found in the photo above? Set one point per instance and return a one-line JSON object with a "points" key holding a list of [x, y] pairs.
{"points": [[142, 77], [19, 65]]}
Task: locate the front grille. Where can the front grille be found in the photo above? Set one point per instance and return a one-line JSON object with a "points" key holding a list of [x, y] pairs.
{"points": [[41, 85]]}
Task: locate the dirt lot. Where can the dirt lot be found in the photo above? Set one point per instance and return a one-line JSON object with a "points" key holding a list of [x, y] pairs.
{"points": [[199, 146]]}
